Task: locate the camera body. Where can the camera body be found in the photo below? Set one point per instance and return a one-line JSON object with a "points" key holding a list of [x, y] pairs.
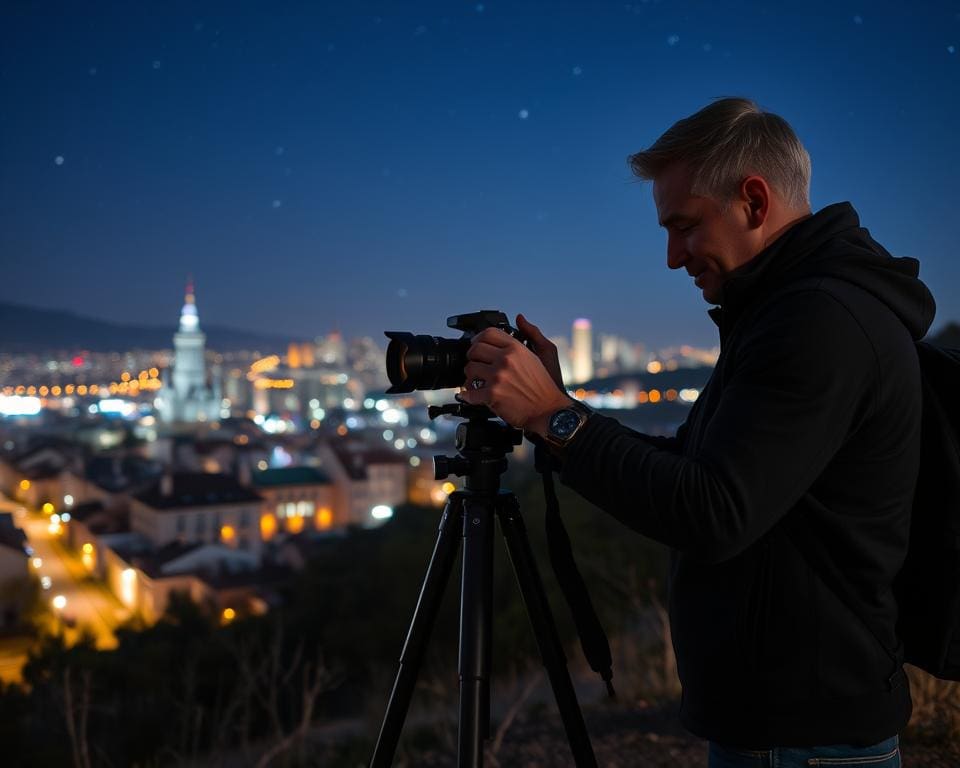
{"points": [[417, 362]]}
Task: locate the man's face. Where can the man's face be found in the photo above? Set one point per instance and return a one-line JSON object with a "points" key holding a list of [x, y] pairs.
{"points": [[701, 237]]}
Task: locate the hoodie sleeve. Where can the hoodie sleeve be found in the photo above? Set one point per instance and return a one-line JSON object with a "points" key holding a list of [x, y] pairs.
{"points": [[802, 377]]}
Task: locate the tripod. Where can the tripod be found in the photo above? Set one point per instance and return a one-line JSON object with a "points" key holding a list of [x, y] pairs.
{"points": [[482, 445]]}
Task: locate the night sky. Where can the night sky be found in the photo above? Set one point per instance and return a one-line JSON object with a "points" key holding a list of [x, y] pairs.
{"points": [[383, 165]]}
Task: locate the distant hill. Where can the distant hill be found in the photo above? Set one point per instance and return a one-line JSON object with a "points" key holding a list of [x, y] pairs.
{"points": [[948, 336], [30, 329]]}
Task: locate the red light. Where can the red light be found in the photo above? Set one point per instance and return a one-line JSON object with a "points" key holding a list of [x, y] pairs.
{"points": [[77, 361]]}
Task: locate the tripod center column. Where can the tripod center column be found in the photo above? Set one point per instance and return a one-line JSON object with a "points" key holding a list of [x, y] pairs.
{"points": [[476, 597]]}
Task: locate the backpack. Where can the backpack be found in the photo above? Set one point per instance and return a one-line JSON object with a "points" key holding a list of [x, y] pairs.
{"points": [[928, 587]]}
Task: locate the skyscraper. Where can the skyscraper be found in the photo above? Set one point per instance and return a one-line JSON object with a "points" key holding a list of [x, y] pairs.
{"points": [[582, 351], [189, 397]]}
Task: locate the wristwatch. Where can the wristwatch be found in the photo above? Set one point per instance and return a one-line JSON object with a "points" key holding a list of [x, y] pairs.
{"points": [[565, 423]]}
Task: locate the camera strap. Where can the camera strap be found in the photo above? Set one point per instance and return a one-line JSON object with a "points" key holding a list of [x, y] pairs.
{"points": [[593, 639]]}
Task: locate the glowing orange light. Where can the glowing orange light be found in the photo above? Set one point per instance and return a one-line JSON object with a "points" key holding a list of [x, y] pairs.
{"points": [[55, 391], [273, 384], [24, 485], [48, 508], [31, 391], [82, 389], [268, 526], [324, 518], [94, 388], [448, 487], [294, 524], [227, 533], [154, 373], [229, 615], [342, 430], [643, 397], [87, 548], [125, 376], [654, 396], [670, 394], [265, 364], [43, 391]]}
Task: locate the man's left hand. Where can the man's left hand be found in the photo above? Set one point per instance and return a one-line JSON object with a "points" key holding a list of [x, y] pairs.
{"points": [[508, 378]]}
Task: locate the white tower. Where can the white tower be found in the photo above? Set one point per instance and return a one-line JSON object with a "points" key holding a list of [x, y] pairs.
{"points": [[582, 351], [189, 398]]}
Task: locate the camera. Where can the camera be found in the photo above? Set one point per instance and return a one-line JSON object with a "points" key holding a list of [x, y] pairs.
{"points": [[433, 362]]}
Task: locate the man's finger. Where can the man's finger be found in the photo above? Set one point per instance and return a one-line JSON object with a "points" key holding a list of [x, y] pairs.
{"points": [[476, 370], [470, 397], [531, 331], [493, 336], [483, 352]]}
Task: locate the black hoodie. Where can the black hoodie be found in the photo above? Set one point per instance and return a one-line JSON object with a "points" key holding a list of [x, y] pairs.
{"points": [[786, 494]]}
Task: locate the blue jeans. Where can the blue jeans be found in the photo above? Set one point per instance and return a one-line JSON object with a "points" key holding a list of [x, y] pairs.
{"points": [[886, 754]]}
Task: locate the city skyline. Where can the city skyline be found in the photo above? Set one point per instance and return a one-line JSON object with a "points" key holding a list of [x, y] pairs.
{"points": [[376, 168]]}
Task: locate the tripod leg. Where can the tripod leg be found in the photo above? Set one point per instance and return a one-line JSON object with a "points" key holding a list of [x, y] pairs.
{"points": [[475, 622], [424, 615], [544, 629]]}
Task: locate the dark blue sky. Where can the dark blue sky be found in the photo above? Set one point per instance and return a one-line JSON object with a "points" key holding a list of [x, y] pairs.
{"points": [[382, 165]]}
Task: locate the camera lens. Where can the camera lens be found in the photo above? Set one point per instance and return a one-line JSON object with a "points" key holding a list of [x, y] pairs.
{"points": [[424, 362]]}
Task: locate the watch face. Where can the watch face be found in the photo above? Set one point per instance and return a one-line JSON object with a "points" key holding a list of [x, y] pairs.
{"points": [[564, 423]]}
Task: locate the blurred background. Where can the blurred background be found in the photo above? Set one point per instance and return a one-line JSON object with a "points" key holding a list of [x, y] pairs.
{"points": [[215, 521]]}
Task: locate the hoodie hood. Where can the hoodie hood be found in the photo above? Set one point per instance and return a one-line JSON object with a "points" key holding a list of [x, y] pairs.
{"points": [[831, 243]]}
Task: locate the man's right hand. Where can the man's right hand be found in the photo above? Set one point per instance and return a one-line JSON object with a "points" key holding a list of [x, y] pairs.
{"points": [[543, 348]]}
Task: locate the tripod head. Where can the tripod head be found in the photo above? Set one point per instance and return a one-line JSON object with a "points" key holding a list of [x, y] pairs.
{"points": [[482, 446]]}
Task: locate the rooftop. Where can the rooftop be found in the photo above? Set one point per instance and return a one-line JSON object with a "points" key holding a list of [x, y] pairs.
{"points": [[269, 478], [356, 456], [10, 535], [196, 489]]}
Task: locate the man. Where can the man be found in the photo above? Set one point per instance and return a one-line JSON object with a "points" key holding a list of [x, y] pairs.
{"points": [[786, 494]]}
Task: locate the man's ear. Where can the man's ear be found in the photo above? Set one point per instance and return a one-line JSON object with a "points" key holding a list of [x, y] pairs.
{"points": [[755, 193]]}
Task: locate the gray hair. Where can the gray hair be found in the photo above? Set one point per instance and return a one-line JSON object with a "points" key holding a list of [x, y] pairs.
{"points": [[726, 141]]}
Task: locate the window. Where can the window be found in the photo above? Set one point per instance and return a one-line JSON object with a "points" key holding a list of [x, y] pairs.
{"points": [[304, 509]]}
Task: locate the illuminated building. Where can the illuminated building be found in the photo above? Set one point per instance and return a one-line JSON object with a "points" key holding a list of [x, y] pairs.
{"points": [[13, 567], [198, 508], [295, 499], [331, 350], [189, 397], [582, 351], [365, 479]]}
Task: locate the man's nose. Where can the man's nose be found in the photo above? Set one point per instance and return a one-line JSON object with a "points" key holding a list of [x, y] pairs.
{"points": [[676, 253]]}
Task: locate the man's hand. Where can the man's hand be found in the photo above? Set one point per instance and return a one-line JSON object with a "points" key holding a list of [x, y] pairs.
{"points": [[512, 381], [543, 348]]}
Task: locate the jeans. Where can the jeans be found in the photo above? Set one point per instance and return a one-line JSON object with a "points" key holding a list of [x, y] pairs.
{"points": [[886, 754]]}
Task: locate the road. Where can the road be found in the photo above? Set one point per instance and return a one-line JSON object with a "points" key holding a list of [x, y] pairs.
{"points": [[89, 606]]}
